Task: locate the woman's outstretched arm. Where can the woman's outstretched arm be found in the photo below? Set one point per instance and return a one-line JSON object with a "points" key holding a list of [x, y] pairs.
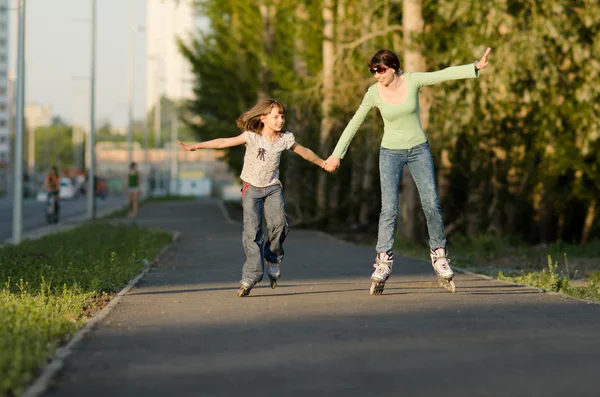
{"points": [[452, 73]]}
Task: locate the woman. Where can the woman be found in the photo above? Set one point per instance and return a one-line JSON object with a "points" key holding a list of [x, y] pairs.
{"points": [[396, 95], [133, 190]]}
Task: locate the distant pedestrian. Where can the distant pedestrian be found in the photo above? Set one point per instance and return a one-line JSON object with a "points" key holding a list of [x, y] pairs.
{"points": [[133, 190]]}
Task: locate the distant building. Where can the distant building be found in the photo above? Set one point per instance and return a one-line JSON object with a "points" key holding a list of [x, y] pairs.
{"points": [[168, 73], [37, 115], [5, 147]]}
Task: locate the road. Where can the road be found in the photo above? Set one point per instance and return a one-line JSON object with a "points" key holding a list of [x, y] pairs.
{"points": [[33, 212]]}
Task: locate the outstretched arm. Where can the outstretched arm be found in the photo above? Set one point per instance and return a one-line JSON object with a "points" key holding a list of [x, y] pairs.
{"points": [[452, 73], [307, 154], [219, 143]]}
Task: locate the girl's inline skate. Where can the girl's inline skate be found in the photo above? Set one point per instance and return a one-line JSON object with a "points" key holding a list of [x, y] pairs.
{"points": [[273, 271]]}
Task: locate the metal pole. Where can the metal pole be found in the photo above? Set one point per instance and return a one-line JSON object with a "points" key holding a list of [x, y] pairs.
{"points": [[174, 163], [131, 81], [157, 122], [158, 132], [91, 189], [31, 151], [146, 161], [19, 130]]}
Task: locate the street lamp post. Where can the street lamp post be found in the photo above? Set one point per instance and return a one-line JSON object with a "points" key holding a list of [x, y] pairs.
{"points": [[131, 81], [91, 188], [19, 130]]}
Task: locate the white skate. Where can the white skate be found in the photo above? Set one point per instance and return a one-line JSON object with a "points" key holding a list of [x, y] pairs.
{"points": [[383, 269], [441, 266], [273, 271]]}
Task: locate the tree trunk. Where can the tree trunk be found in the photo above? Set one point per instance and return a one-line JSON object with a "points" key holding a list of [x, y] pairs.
{"points": [[589, 222], [267, 12], [412, 21], [326, 104], [298, 120]]}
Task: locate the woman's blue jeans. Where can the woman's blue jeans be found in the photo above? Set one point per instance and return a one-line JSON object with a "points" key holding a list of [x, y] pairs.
{"points": [[420, 164]]}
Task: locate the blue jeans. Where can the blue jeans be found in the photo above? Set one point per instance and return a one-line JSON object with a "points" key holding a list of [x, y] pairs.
{"points": [[420, 164], [255, 201]]}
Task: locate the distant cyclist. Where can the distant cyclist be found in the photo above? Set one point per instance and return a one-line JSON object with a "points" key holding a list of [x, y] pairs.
{"points": [[52, 186]]}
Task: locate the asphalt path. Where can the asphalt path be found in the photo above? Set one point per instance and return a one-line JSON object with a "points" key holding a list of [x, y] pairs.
{"points": [[184, 332]]}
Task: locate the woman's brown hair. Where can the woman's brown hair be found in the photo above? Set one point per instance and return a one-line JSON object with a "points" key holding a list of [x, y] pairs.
{"points": [[386, 58], [250, 120]]}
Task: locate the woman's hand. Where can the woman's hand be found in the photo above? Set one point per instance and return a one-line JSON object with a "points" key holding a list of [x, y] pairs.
{"points": [[482, 63], [331, 164], [186, 147]]}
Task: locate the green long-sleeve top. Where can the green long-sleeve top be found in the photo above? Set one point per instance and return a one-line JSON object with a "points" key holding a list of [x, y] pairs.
{"points": [[402, 124]]}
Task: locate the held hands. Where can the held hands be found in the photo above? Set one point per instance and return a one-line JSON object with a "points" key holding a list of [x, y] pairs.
{"points": [[331, 164], [187, 147], [483, 62]]}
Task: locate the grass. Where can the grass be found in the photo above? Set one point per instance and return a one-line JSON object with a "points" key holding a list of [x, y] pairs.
{"points": [[123, 212], [171, 197], [511, 259], [551, 279], [51, 286]]}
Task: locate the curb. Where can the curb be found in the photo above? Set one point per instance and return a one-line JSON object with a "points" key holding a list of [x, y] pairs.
{"points": [[40, 385]]}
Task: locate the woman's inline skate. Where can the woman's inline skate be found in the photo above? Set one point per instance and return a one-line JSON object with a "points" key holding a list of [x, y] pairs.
{"points": [[441, 266]]}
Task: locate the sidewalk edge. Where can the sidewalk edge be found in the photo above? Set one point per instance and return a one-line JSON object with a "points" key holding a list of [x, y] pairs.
{"points": [[40, 385]]}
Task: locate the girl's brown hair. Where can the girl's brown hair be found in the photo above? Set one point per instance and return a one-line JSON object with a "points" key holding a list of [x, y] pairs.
{"points": [[386, 58], [250, 120]]}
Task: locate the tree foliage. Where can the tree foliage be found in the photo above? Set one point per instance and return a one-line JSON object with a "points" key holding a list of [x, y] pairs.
{"points": [[516, 150]]}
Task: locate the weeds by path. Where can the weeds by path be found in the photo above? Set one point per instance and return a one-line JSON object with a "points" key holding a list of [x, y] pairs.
{"points": [[52, 285]]}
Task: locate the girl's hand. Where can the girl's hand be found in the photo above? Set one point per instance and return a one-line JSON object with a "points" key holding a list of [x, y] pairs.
{"points": [[186, 147], [483, 62], [331, 164]]}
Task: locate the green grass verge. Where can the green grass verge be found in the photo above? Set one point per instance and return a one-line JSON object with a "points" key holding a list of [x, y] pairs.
{"points": [[52, 285], [123, 212], [551, 279], [170, 197]]}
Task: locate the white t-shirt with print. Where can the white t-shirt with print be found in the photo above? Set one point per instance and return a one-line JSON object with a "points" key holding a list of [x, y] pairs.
{"points": [[261, 161]]}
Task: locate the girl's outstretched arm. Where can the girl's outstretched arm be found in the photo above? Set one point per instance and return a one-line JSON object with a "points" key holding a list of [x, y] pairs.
{"points": [[307, 154], [219, 143]]}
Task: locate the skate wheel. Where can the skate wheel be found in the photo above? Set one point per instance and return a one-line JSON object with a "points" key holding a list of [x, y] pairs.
{"points": [[376, 288], [243, 291], [451, 286], [447, 284], [273, 283]]}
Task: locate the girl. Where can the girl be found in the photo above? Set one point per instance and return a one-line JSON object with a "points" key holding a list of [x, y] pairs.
{"points": [[396, 94], [262, 191]]}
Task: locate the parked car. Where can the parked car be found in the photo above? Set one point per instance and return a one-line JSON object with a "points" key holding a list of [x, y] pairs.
{"points": [[67, 189]]}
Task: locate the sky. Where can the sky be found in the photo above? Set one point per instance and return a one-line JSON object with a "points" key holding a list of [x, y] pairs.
{"points": [[58, 54]]}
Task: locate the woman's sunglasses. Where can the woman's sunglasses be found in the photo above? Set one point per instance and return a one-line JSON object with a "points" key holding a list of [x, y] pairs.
{"points": [[378, 69]]}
